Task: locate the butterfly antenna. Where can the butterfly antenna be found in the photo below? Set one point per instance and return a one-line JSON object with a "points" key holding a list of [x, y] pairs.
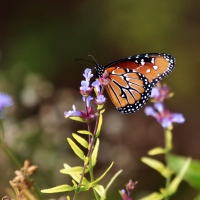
{"points": [[85, 60], [93, 59]]}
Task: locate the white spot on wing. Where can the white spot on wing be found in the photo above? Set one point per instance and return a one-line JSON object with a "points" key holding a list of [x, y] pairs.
{"points": [[148, 70], [142, 62], [155, 67]]}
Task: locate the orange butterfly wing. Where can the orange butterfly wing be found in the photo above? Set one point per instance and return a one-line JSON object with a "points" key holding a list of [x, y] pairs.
{"points": [[132, 79]]}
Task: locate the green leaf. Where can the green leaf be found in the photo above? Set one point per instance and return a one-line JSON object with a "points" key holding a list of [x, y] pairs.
{"points": [[77, 178], [72, 170], [76, 149], [79, 119], [85, 132], [192, 175], [95, 153], [99, 107], [176, 181], [100, 123], [61, 188], [80, 140], [101, 191], [112, 179], [158, 166], [98, 179], [153, 196], [156, 151]]}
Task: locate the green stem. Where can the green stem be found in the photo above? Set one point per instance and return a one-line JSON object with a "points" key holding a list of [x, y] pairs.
{"points": [[37, 191], [92, 141], [2, 130], [168, 148], [10, 154]]}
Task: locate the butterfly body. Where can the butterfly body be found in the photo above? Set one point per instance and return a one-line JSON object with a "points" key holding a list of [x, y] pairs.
{"points": [[133, 78]]}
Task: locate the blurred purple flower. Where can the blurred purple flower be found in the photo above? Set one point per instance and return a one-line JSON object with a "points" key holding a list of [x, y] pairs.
{"points": [[129, 187], [163, 116], [88, 74], [100, 99], [125, 196], [160, 93], [5, 101], [96, 84], [72, 113]]}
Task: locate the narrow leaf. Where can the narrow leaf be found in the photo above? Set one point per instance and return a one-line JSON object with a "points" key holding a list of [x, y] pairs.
{"points": [[98, 179], [176, 181], [76, 149], [156, 151], [100, 123], [80, 140], [112, 179], [79, 119], [85, 132], [77, 177], [153, 196], [61, 188], [100, 107], [158, 166], [100, 190], [95, 153], [73, 170]]}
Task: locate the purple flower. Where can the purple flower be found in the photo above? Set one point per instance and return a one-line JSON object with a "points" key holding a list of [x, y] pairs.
{"points": [[160, 93], [100, 99], [72, 113], [87, 100], [85, 90], [96, 84], [85, 86], [163, 116], [88, 74], [5, 101]]}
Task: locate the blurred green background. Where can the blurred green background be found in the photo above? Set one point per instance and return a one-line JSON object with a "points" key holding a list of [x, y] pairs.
{"points": [[39, 41]]}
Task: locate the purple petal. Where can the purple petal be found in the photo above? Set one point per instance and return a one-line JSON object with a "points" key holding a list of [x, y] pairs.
{"points": [[5, 100], [149, 111], [155, 92], [73, 112], [96, 84], [159, 106], [84, 85], [87, 100], [100, 99], [166, 123], [178, 118], [88, 74]]}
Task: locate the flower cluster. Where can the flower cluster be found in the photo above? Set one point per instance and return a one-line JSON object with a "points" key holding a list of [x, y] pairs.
{"points": [[165, 117], [86, 89]]}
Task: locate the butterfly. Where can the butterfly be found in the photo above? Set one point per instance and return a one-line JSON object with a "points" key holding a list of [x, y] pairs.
{"points": [[133, 78]]}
